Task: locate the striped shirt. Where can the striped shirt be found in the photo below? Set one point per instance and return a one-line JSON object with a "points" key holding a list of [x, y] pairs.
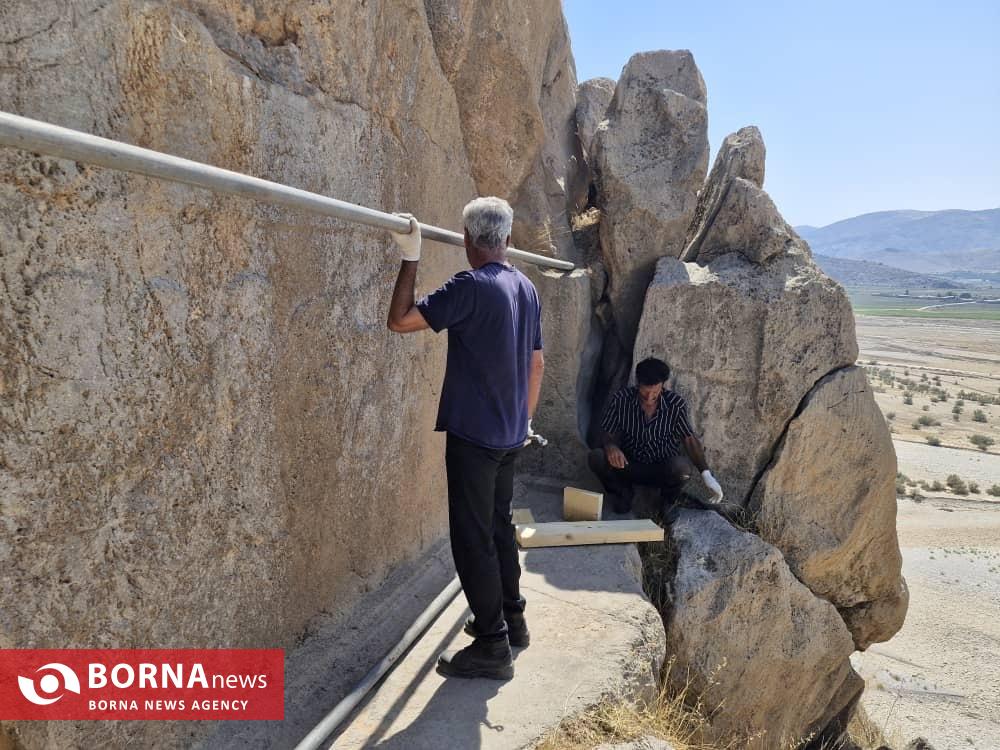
{"points": [[647, 441]]}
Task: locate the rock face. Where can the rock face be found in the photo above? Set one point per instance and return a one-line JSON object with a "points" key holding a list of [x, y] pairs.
{"points": [[746, 343], [209, 436], [649, 159], [512, 70], [572, 345], [737, 620], [833, 512], [740, 157], [592, 99], [762, 346], [734, 214]]}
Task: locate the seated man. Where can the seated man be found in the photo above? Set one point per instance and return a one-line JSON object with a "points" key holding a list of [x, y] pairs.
{"points": [[645, 427]]}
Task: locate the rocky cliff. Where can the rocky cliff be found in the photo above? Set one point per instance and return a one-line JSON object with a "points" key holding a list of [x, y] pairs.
{"points": [[208, 436]]}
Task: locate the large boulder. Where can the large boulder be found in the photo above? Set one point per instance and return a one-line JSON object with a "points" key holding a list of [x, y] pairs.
{"points": [[747, 223], [762, 653], [649, 158], [741, 156], [746, 343], [832, 513], [592, 99]]}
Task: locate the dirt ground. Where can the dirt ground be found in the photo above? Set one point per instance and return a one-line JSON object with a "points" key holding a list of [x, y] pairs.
{"points": [[939, 677], [950, 355]]}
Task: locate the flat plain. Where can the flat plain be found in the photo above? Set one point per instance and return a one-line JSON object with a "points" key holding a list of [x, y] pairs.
{"points": [[939, 677]]}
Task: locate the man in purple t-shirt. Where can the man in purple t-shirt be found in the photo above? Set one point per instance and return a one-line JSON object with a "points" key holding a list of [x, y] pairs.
{"points": [[491, 385]]}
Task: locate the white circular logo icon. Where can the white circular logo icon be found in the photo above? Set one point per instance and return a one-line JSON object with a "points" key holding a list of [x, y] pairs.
{"points": [[49, 684]]}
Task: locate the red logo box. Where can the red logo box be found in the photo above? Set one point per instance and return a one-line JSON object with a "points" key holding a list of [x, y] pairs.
{"points": [[142, 684]]}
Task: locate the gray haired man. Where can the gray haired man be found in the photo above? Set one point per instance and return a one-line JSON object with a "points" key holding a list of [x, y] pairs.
{"points": [[491, 386]]}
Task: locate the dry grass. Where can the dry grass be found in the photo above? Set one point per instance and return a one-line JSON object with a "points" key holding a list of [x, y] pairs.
{"points": [[681, 718], [676, 716], [869, 735]]}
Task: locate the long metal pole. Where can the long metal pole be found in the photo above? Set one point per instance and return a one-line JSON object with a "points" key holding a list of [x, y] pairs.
{"points": [[41, 137], [342, 710]]}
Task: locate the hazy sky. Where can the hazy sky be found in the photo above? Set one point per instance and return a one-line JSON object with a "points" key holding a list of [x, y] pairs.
{"points": [[864, 106]]}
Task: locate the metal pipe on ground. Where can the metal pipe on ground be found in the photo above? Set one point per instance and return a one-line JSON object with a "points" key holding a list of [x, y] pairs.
{"points": [[52, 140], [328, 725]]}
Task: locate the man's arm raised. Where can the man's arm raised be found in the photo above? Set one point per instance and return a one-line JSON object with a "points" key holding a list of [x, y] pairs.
{"points": [[404, 317]]}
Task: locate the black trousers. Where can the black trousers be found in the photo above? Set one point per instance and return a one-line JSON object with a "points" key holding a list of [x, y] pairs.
{"points": [[480, 493], [670, 476]]}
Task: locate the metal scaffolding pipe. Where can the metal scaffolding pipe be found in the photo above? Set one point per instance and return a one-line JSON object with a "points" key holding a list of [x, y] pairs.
{"points": [[329, 723], [41, 137]]}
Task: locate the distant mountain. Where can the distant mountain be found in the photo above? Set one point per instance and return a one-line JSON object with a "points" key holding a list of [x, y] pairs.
{"points": [[866, 273], [918, 241]]}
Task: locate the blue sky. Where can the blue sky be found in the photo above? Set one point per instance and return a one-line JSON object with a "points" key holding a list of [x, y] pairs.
{"points": [[864, 106]]}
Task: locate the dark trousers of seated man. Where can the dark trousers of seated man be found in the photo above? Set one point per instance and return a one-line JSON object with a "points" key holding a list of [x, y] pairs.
{"points": [[670, 476], [480, 491]]}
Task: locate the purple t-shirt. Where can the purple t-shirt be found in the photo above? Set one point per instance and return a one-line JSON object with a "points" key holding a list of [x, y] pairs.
{"points": [[494, 322]]}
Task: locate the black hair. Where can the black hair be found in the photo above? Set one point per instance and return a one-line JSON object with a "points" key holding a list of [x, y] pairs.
{"points": [[652, 371]]}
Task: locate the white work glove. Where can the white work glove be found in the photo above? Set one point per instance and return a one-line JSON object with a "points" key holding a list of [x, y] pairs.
{"points": [[534, 436], [713, 485], [409, 244]]}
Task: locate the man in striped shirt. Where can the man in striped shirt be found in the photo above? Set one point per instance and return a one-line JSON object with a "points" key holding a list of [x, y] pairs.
{"points": [[645, 432]]}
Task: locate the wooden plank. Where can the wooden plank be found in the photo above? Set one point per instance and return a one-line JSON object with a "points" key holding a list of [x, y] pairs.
{"points": [[581, 505], [522, 515], [568, 533]]}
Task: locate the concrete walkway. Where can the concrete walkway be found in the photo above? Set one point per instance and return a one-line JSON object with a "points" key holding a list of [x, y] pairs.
{"points": [[592, 633]]}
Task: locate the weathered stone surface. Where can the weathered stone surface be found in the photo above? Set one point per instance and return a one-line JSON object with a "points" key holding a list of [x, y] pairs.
{"points": [[747, 223], [746, 343], [592, 99], [511, 67], [650, 159], [209, 436], [734, 214], [749, 635], [572, 346], [832, 511], [512, 72], [741, 155]]}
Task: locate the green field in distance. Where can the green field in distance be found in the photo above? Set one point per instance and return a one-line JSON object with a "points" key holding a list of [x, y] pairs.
{"points": [[873, 302]]}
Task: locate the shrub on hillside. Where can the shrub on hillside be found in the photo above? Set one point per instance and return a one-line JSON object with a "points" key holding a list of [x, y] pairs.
{"points": [[956, 485], [981, 441]]}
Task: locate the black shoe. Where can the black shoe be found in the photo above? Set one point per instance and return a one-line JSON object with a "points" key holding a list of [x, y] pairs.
{"points": [[517, 631], [490, 659], [621, 503]]}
